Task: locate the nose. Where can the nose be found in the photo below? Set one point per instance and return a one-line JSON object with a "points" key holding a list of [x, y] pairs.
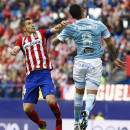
{"points": [[33, 25]]}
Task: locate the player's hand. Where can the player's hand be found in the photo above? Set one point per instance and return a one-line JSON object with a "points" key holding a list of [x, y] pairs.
{"points": [[120, 64], [58, 28], [15, 50], [64, 23]]}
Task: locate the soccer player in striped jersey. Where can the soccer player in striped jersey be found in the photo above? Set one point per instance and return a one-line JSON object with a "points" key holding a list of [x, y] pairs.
{"points": [[87, 70], [38, 66]]}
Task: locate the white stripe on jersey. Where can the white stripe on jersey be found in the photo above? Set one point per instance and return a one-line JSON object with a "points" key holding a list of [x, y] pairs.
{"points": [[30, 56], [23, 38], [42, 51], [50, 65], [45, 63], [36, 52]]}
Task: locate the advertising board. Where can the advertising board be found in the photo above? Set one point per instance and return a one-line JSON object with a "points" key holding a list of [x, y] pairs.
{"points": [[108, 92], [24, 124]]}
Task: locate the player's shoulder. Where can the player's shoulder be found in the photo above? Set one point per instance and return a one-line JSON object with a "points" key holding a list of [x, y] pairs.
{"points": [[99, 22], [40, 30], [21, 38], [95, 21], [70, 25]]}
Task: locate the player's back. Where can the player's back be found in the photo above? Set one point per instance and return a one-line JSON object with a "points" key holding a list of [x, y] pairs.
{"points": [[87, 36]]}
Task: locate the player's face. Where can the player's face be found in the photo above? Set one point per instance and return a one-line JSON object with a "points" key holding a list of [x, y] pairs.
{"points": [[29, 26]]}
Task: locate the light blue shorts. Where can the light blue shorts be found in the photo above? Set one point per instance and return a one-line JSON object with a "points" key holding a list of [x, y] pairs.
{"points": [[87, 72]]}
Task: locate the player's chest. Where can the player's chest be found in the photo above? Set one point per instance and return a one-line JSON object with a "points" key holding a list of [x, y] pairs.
{"points": [[31, 41]]}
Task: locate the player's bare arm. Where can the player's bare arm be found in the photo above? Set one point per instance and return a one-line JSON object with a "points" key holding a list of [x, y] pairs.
{"points": [[55, 41], [15, 50], [58, 28], [119, 63]]}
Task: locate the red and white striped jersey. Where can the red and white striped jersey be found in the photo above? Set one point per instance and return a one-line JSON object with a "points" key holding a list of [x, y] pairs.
{"points": [[34, 49]]}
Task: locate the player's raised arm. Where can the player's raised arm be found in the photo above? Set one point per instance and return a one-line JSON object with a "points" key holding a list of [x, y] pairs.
{"points": [[119, 63], [66, 32], [58, 28], [106, 35]]}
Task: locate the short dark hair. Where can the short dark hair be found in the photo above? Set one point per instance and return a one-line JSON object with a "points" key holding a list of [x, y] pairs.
{"points": [[75, 11], [22, 23]]}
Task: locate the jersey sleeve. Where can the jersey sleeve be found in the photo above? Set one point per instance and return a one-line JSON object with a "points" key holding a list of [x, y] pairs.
{"points": [[64, 34], [19, 42], [104, 31], [46, 33]]}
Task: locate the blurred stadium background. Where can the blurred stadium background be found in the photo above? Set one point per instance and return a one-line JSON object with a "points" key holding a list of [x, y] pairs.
{"points": [[113, 98]]}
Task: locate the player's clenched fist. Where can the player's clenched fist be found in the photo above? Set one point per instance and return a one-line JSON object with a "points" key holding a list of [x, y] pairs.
{"points": [[15, 50], [64, 23]]}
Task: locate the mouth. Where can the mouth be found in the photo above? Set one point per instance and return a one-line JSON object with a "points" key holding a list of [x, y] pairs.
{"points": [[33, 28]]}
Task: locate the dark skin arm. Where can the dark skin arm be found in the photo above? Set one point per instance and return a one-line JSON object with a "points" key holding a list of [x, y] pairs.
{"points": [[55, 41], [118, 63]]}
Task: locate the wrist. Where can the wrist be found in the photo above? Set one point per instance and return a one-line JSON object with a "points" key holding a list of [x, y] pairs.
{"points": [[58, 26], [115, 58]]}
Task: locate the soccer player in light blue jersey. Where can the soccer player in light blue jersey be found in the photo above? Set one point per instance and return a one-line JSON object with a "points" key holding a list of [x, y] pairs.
{"points": [[87, 70]]}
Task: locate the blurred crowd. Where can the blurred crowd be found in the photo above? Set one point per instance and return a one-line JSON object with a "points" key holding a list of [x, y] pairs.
{"points": [[98, 117], [115, 14]]}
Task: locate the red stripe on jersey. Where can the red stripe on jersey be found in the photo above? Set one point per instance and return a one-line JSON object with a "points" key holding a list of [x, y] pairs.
{"points": [[26, 68], [44, 44], [32, 53], [36, 38], [24, 40], [29, 39], [33, 56], [28, 61], [40, 55]]}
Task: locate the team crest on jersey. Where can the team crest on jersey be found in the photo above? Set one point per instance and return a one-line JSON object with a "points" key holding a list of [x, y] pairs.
{"points": [[35, 35]]}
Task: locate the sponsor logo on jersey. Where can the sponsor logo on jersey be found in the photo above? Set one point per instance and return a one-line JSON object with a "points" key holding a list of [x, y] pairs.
{"points": [[32, 43]]}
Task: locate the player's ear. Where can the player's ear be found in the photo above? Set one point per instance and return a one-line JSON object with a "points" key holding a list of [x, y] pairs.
{"points": [[24, 29]]}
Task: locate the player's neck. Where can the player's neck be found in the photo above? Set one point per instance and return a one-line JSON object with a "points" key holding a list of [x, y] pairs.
{"points": [[83, 16], [29, 33]]}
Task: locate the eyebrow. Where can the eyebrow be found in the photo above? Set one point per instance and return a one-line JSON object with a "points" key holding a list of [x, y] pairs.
{"points": [[30, 22]]}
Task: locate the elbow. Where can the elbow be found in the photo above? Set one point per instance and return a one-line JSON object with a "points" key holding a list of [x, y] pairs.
{"points": [[53, 42], [11, 52], [110, 44]]}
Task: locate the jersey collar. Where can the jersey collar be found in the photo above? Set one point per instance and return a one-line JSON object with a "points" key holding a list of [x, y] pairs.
{"points": [[82, 19]]}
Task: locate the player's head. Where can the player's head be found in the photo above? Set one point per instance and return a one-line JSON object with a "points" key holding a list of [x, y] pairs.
{"points": [[76, 11], [28, 25]]}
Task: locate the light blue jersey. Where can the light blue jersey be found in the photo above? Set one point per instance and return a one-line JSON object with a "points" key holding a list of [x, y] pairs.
{"points": [[87, 36]]}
